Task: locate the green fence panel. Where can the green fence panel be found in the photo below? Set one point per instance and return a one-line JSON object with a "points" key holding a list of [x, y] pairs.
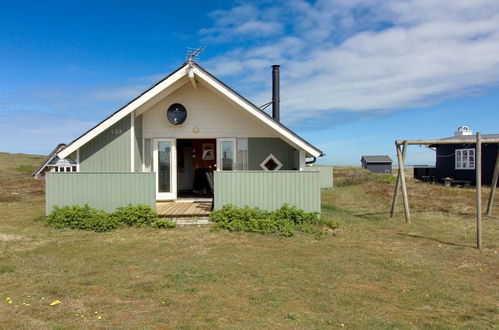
{"points": [[325, 174], [105, 191], [268, 190]]}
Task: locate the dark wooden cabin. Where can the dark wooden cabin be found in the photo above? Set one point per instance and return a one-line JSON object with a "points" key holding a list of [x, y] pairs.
{"points": [[377, 163], [457, 161]]}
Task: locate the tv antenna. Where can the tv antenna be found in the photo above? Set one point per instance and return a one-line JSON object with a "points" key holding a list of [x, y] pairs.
{"points": [[191, 53]]}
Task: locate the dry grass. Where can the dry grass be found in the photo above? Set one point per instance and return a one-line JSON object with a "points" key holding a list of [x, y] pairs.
{"points": [[375, 272]]}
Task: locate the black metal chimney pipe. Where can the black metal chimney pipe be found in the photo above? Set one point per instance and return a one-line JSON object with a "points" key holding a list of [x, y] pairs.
{"points": [[276, 98]]}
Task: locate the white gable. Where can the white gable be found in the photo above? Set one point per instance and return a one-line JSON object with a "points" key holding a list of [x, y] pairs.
{"points": [[176, 80]]}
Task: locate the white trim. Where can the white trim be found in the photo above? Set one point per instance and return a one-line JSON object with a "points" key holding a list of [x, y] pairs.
{"points": [[303, 163], [132, 142], [172, 195], [143, 155], [219, 152], [256, 112], [78, 160], [275, 159], [159, 88], [166, 87]]}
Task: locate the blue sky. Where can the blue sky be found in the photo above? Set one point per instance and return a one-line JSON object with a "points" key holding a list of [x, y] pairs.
{"points": [[356, 74]]}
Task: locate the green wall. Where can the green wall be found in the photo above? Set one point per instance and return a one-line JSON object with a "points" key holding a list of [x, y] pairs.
{"points": [[260, 148], [325, 174], [108, 151], [268, 190], [105, 191]]}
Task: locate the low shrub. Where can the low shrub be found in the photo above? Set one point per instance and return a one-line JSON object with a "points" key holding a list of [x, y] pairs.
{"points": [[87, 218], [355, 176], [284, 221], [135, 215]]}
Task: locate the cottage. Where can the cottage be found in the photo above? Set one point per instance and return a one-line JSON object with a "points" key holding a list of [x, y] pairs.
{"points": [[166, 143], [457, 161], [377, 163]]}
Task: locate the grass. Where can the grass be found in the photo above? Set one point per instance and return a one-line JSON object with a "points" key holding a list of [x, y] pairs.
{"points": [[373, 272]]}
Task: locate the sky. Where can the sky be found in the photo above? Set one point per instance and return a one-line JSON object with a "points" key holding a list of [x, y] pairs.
{"points": [[355, 74]]}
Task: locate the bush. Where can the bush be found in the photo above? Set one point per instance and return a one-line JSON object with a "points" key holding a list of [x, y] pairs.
{"points": [[284, 221], [355, 176], [83, 218], [135, 215], [87, 218]]}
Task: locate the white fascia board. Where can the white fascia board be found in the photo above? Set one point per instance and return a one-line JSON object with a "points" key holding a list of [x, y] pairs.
{"points": [[256, 112], [123, 112]]}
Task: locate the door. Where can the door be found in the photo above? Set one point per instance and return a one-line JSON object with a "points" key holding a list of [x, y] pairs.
{"points": [[165, 163]]}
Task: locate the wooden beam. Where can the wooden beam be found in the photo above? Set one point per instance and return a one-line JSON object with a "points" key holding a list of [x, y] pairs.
{"points": [[478, 166], [493, 185], [449, 141], [397, 184], [404, 187]]}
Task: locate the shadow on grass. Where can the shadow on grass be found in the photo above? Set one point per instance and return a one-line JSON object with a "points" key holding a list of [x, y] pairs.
{"points": [[437, 240]]}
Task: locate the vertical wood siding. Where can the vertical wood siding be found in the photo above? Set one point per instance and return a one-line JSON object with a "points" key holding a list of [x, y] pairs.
{"points": [[105, 191], [325, 174], [260, 148], [268, 190], [108, 151]]}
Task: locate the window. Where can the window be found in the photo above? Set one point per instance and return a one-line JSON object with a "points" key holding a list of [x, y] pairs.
{"points": [[465, 159], [271, 163], [226, 154], [242, 154]]}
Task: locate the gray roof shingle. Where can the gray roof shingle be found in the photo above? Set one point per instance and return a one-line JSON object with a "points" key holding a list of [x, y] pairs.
{"points": [[377, 159]]}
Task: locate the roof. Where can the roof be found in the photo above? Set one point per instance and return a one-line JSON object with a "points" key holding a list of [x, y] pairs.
{"points": [[49, 158], [169, 84], [376, 159], [472, 138]]}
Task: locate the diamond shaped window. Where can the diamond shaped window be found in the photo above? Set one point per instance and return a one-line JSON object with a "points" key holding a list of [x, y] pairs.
{"points": [[271, 163]]}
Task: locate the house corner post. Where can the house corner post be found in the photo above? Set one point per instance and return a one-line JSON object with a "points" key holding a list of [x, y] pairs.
{"points": [[478, 166]]}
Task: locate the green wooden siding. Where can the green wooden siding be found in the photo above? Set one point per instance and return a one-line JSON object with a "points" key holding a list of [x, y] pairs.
{"points": [[325, 174], [268, 190], [105, 191], [138, 144], [260, 148], [108, 151]]}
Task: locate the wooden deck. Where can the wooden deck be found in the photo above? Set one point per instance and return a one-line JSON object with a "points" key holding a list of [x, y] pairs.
{"points": [[183, 209]]}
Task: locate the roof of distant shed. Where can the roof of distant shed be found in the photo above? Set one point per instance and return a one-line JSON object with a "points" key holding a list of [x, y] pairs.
{"points": [[376, 159]]}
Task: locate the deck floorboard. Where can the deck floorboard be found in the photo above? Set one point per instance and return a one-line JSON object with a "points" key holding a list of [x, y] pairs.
{"points": [[183, 209]]}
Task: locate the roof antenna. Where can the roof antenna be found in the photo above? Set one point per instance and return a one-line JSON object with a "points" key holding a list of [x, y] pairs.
{"points": [[193, 52]]}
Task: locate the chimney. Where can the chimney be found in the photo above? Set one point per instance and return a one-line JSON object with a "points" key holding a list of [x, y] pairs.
{"points": [[276, 99]]}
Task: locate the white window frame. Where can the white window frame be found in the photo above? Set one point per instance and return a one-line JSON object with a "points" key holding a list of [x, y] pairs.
{"points": [[275, 159], [464, 162], [219, 152]]}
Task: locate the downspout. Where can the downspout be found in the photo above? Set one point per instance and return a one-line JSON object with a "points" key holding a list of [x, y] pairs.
{"points": [[308, 162]]}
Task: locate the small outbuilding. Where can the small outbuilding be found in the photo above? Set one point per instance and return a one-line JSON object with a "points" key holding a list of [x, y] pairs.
{"points": [[377, 163]]}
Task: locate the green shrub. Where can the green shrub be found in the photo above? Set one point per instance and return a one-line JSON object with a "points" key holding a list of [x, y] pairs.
{"points": [[135, 215], [355, 176], [284, 221], [163, 223], [87, 218], [82, 217]]}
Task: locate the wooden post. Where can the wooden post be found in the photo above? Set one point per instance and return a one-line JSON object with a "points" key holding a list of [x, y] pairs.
{"points": [[402, 182], [493, 185], [478, 166], [397, 183]]}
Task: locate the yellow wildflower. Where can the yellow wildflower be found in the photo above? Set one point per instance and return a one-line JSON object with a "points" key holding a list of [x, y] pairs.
{"points": [[99, 317], [55, 302]]}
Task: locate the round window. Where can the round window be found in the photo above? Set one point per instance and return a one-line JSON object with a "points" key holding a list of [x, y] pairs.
{"points": [[176, 114]]}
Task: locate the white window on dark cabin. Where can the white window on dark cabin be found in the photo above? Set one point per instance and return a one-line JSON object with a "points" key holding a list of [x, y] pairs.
{"points": [[465, 159]]}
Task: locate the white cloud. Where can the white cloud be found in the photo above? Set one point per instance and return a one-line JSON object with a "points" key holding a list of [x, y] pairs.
{"points": [[363, 55]]}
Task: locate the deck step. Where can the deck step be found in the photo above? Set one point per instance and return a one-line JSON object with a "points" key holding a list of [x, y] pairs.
{"points": [[190, 221]]}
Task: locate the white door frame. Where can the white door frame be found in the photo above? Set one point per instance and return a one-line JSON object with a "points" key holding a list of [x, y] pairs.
{"points": [[173, 169], [219, 152]]}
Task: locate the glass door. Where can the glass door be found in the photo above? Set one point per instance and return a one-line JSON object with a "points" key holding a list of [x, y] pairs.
{"points": [[165, 165]]}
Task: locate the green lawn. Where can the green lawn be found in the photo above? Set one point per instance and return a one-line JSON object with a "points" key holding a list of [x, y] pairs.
{"points": [[372, 272]]}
